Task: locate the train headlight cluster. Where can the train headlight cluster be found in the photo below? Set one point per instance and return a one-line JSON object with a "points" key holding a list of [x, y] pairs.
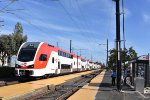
{"points": [[31, 66], [17, 66]]}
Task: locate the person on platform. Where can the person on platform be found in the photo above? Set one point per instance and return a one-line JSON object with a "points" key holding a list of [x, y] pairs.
{"points": [[113, 76], [125, 75]]}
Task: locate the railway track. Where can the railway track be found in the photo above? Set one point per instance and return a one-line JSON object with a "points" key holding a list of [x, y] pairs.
{"points": [[62, 91]]}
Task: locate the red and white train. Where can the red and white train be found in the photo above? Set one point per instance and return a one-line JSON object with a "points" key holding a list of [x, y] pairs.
{"points": [[41, 59]]}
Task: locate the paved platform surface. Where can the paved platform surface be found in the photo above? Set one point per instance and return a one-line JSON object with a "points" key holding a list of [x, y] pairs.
{"points": [[89, 91], [107, 92], [100, 89], [7, 92]]}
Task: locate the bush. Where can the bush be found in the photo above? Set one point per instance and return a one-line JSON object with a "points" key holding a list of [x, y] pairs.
{"points": [[7, 72]]}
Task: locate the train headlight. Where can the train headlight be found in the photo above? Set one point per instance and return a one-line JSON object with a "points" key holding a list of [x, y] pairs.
{"points": [[31, 66], [17, 66]]}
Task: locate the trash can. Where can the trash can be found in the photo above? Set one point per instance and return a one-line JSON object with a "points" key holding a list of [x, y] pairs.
{"points": [[139, 84]]}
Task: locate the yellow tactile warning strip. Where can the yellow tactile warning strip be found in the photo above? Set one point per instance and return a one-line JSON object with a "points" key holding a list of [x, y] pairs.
{"points": [[88, 92], [13, 90]]}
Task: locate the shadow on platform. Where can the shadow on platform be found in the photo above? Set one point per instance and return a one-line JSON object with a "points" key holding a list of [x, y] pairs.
{"points": [[108, 92]]}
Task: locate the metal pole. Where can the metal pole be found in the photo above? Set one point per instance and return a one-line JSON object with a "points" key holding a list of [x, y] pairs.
{"points": [[57, 44], [148, 76], [123, 23], [70, 46], [77, 61], [80, 52], [107, 54], [118, 45]]}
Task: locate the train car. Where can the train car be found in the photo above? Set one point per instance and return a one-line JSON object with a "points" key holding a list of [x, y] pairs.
{"points": [[88, 65], [37, 59]]}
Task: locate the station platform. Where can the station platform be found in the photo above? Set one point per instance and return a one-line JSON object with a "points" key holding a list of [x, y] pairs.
{"points": [[7, 92], [100, 89]]}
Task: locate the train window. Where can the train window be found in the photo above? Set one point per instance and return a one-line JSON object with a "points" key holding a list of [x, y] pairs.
{"points": [[52, 59], [58, 52], [61, 53], [71, 65], [43, 57], [65, 66], [64, 54], [74, 62], [58, 65]]}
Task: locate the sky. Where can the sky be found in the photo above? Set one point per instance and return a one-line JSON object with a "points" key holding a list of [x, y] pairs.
{"points": [[87, 23]]}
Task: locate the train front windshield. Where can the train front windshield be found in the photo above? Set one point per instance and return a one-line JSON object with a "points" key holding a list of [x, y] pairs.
{"points": [[26, 55]]}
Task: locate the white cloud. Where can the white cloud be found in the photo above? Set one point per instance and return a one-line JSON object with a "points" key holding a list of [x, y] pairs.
{"points": [[127, 12], [5, 32], [146, 17]]}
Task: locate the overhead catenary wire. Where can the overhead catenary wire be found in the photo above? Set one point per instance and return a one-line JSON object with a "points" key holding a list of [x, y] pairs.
{"points": [[84, 20], [85, 23], [123, 30], [69, 15], [82, 32], [26, 21], [11, 2]]}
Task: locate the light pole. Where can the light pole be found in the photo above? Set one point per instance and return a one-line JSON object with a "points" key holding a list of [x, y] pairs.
{"points": [[107, 53], [80, 50], [118, 46]]}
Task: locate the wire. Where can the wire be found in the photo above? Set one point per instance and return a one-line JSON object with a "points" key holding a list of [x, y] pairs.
{"points": [[123, 23], [27, 21], [12, 1], [72, 19], [82, 32], [84, 19]]}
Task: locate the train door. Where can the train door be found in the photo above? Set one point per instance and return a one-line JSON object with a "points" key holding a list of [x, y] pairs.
{"points": [[54, 64], [77, 63], [71, 67], [59, 67]]}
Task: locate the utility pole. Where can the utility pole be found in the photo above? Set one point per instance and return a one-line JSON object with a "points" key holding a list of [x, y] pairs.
{"points": [[147, 72], [124, 46], [77, 61], [57, 44], [107, 54], [70, 46], [123, 24], [80, 50], [91, 57], [118, 46]]}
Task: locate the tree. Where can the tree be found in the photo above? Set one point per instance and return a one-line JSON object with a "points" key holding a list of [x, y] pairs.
{"points": [[5, 48], [126, 55], [9, 44], [112, 57], [132, 53], [18, 38]]}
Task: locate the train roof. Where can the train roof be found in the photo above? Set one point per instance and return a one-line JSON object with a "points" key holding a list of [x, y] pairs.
{"points": [[31, 45]]}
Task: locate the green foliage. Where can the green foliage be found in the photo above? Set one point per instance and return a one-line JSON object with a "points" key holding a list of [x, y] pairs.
{"points": [[5, 50], [126, 55], [9, 44], [18, 37]]}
